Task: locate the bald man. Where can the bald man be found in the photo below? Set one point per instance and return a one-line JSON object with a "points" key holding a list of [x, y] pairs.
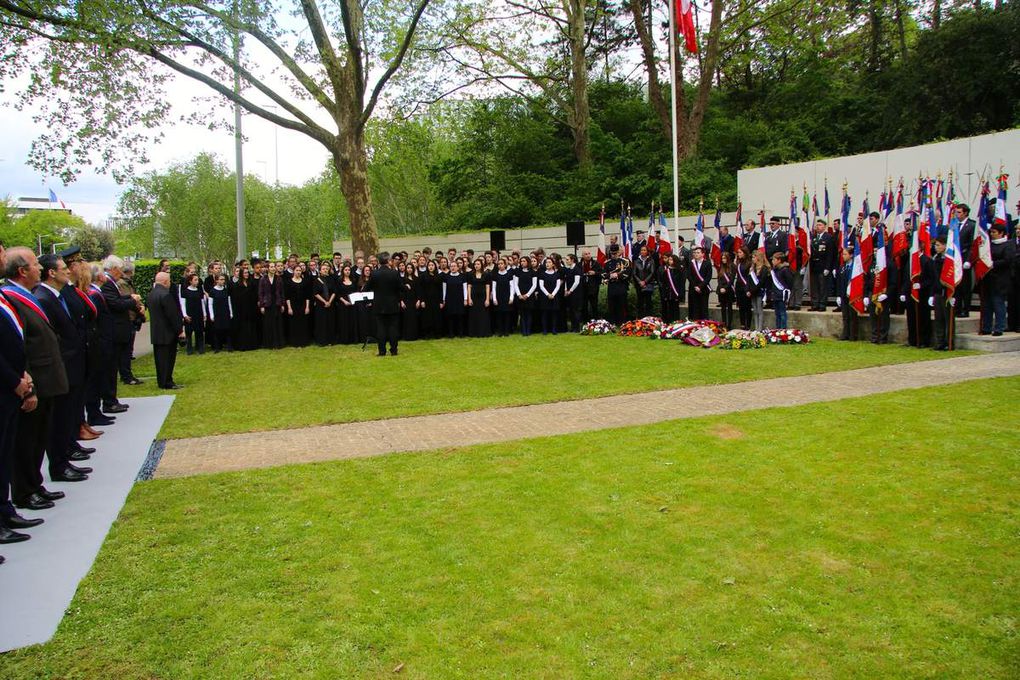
{"points": [[167, 326]]}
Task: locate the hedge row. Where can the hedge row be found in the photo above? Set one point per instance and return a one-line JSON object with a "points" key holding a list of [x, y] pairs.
{"points": [[145, 274]]}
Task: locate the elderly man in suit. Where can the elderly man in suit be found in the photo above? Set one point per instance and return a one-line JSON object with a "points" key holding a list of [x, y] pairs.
{"points": [[166, 326], [49, 377], [120, 307], [385, 284]]}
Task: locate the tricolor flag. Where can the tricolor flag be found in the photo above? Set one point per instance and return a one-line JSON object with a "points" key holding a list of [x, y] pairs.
{"points": [[855, 289], [685, 24], [899, 199], [601, 255], [952, 264], [915, 261], [844, 224], [650, 242], [53, 199], [738, 237], [716, 254], [699, 230], [624, 236], [1000, 202], [865, 237], [981, 250], [881, 283], [761, 230], [900, 238], [827, 206], [665, 242]]}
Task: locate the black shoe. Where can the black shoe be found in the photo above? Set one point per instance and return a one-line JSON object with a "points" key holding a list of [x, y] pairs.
{"points": [[78, 448], [115, 408], [173, 386], [50, 495], [2, 559], [8, 536], [133, 381], [101, 421], [79, 456], [34, 502], [16, 521], [393, 353], [82, 469], [996, 334], [381, 354], [70, 475]]}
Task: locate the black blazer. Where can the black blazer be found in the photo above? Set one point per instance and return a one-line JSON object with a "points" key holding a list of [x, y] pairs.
{"points": [[120, 307], [72, 345], [385, 283], [42, 352], [164, 316]]}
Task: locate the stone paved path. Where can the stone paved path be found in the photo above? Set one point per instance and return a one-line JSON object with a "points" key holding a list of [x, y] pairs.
{"points": [[372, 438]]}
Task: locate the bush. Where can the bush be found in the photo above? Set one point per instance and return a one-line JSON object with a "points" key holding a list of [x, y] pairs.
{"points": [[145, 274]]}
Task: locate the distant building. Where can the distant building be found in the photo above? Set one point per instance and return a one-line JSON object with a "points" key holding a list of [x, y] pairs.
{"points": [[27, 204]]}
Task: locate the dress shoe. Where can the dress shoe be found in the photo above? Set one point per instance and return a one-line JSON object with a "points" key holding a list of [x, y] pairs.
{"points": [[81, 469], [133, 381], [34, 502], [2, 559], [102, 420], [16, 521], [68, 475], [50, 495], [393, 353], [78, 448], [91, 429], [8, 536], [173, 386], [115, 408], [79, 456], [86, 436]]}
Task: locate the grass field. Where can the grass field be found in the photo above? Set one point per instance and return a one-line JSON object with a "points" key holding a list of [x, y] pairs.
{"points": [[841, 540], [269, 390]]}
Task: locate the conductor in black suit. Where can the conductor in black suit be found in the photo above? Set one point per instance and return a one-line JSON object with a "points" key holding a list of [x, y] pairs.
{"points": [[166, 326], [385, 284]]}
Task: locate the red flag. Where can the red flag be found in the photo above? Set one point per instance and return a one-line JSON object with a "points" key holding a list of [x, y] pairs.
{"points": [[601, 255], [685, 24]]}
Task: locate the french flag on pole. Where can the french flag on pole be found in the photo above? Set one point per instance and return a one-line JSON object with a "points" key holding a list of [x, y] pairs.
{"points": [[855, 290], [624, 234], [53, 199], [738, 238], [699, 230], [665, 240], [981, 250], [1000, 204], [952, 265], [915, 263], [601, 255], [685, 24]]}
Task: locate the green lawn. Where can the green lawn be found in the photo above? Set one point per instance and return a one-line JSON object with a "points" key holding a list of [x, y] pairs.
{"points": [[269, 390], [830, 541]]}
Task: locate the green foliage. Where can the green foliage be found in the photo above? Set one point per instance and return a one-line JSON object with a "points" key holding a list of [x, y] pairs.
{"points": [[145, 275], [52, 226], [95, 243]]}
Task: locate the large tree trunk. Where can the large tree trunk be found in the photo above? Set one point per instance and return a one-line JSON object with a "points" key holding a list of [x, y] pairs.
{"points": [[351, 163], [655, 97], [579, 116]]}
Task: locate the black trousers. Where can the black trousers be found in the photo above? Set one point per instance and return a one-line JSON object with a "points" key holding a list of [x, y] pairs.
{"points": [[698, 309], [124, 360], [849, 321], [617, 307], [942, 329], [879, 321], [918, 322], [819, 287], [9, 408], [964, 291], [644, 303], [591, 304], [29, 448], [165, 357], [387, 329], [744, 310], [63, 428]]}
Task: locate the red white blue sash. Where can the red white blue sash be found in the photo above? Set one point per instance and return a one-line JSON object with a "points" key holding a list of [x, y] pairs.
{"points": [[29, 302], [13, 314]]}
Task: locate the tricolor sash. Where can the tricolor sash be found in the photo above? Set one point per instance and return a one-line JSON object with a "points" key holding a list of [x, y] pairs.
{"points": [[89, 302], [29, 302], [13, 314]]}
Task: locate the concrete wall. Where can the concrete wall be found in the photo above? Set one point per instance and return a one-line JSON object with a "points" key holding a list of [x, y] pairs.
{"points": [[969, 158]]}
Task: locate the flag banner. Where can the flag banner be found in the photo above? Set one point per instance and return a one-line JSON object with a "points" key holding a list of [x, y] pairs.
{"points": [[915, 262], [952, 264], [685, 24], [981, 249], [601, 255], [699, 231], [881, 282], [665, 240], [855, 289]]}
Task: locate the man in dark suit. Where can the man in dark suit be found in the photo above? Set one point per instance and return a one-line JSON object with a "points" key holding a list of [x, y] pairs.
{"points": [[61, 447], [385, 285], [120, 307], [822, 266], [166, 326], [49, 378], [964, 291], [776, 241], [15, 386]]}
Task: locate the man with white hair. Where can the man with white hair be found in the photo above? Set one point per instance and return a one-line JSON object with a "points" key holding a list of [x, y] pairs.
{"points": [[167, 327], [126, 287], [120, 307]]}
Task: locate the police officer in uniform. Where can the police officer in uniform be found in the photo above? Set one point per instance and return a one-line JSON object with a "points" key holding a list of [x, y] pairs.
{"points": [[823, 265]]}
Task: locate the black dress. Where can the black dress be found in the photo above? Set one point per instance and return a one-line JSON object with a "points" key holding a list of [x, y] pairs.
{"points": [[478, 312], [410, 294], [245, 299], [324, 317], [346, 323], [431, 317], [503, 300], [365, 328], [297, 326], [454, 309]]}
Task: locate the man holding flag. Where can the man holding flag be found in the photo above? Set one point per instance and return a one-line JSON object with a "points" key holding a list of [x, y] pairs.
{"points": [[967, 232], [948, 265]]}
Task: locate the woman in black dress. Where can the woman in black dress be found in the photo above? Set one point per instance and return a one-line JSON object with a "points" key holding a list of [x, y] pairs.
{"points": [[478, 301], [431, 285], [298, 308], [725, 288], [699, 285], [549, 287], [363, 308], [271, 306], [742, 286], [346, 323], [454, 301], [244, 296], [410, 303], [325, 316], [527, 289], [504, 290], [193, 310], [221, 313], [572, 292], [671, 288]]}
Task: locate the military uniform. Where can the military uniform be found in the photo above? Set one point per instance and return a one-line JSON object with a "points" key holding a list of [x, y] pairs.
{"points": [[823, 265]]}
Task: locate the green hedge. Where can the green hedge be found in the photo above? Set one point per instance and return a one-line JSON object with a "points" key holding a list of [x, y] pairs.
{"points": [[145, 274]]}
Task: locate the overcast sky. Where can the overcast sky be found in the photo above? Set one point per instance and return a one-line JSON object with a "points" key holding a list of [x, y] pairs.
{"points": [[94, 196]]}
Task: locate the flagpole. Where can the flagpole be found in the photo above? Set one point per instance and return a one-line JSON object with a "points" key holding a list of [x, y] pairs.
{"points": [[672, 89]]}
